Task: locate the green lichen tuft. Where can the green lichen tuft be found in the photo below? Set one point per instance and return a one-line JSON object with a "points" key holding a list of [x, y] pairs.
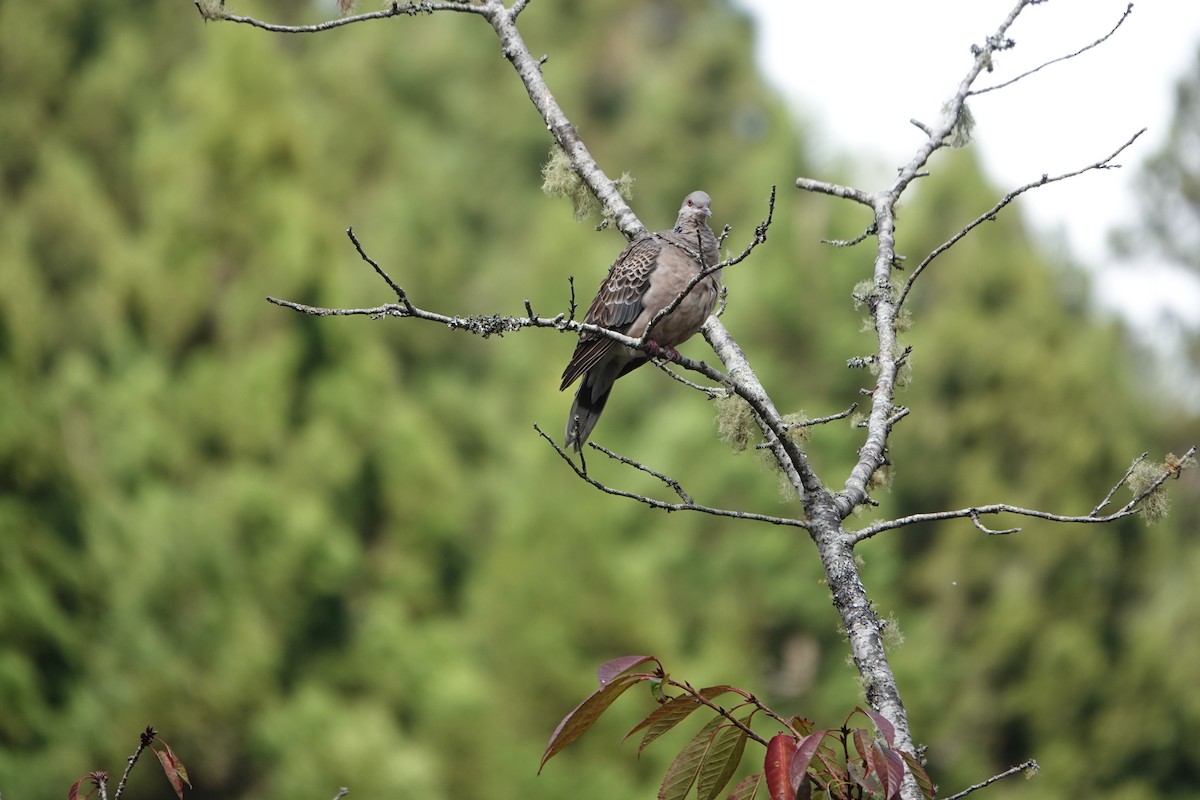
{"points": [[881, 478], [559, 179], [1154, 506], [735, 422], [797, 431], [889, 630], [964, 126]]}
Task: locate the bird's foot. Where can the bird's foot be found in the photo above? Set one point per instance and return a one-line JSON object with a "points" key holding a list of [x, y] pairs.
{"points": [[657, 350]]}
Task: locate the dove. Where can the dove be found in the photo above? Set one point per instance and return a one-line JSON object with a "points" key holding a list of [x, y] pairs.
{"points": [[647, 277]]}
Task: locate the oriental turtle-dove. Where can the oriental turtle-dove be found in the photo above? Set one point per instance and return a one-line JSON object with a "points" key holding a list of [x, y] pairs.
{"points": [[647, 277]]}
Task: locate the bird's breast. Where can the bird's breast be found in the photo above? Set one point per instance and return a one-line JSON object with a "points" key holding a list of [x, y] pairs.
{"points": [[683, 323]]}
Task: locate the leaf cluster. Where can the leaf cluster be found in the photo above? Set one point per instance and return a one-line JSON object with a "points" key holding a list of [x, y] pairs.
{"points": [[847, 763]]}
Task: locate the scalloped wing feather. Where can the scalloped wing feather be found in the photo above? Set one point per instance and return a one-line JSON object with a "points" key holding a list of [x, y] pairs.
{"points": [[617, 305]]}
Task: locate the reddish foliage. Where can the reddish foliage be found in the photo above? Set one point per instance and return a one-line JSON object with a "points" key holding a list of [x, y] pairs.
{"points": [[777, 767]]}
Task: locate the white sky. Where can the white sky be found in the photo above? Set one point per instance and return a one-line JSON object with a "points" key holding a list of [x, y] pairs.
{"points": [[858, 70]]}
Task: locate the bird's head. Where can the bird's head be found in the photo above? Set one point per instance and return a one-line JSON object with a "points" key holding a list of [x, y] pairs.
{"points": [[696, 208]]}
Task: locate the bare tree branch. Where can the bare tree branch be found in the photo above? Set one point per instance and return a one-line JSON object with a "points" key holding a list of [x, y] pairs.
{"points": [[804, 423], [836, 190], [863, 627], [686, 504], [712, 391], [1097, 43], [989, 531], [217, 13], [791, 459], [884, 308], [144, 739], [529, 70], [990, 214], [1108, 497], [862, 237], [1030, 765], [975, 512]]}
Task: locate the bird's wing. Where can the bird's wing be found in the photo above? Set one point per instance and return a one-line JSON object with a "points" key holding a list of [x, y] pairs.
{"points": [[617, 305]]}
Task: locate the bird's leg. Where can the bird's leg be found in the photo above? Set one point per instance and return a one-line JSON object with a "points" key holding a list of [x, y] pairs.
{"points": [[657, 350]]}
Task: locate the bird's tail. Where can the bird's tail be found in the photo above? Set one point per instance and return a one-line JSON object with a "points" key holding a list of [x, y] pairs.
{"points": [[585, 412]]}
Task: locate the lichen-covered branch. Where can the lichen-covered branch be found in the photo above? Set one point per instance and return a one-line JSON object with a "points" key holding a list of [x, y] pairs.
{"points": [[1134, 506]]}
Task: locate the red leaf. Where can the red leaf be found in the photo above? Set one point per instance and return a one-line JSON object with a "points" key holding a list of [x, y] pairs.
{"points": [[611, 669], [173, 767], [894, 770], [585, 714], [746, 788], [881, 761], [686, 766], [777, 765], [872, 772], [73, 793], [806, 748], [885, 728], [918, 771], [671, 713], [722, 760]]}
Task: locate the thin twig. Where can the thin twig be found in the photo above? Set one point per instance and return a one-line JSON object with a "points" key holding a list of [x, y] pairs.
{"points": [[342, 792], [822, 420], [667, 480], [1027, 765], [990, 214], [836, 190], [396, 9], [922, 126], [660, 504], [378, 269], [1108, 497], [144, 740], [990, 531], [975, 512], [870, 231], [1097, 43], [1172, 471], [711, 391]]}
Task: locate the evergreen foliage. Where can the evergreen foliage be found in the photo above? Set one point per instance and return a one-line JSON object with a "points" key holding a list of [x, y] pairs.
{"points": [[331, 552]]}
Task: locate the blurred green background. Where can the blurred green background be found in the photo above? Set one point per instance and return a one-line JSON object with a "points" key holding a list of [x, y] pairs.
{"points": [[327, 552]]}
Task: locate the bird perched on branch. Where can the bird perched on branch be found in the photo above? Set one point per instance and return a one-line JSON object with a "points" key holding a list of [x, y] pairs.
{"points": [[646, 278]]}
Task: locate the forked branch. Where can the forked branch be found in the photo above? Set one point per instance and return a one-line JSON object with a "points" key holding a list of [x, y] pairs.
{"points": [[1094, 517], [686, 503], [990, 214]]}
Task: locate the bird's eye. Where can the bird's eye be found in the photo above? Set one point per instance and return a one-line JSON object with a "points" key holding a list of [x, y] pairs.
{"points": [[690, 202]]}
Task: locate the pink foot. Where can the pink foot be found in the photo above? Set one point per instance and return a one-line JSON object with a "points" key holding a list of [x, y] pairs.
{"points": [[657, 350]]}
